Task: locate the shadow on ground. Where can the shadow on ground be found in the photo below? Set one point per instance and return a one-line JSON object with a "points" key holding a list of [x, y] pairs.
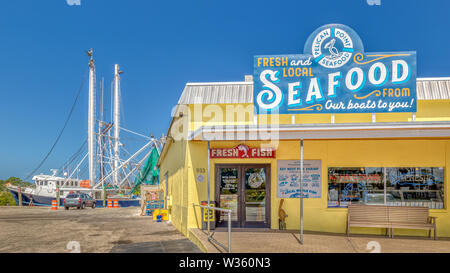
{"points": [[173, 246]]}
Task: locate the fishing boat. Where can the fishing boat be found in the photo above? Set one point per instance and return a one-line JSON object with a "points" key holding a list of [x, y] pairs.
{"points": [[110, 174], [47, 186], [45, 189]]}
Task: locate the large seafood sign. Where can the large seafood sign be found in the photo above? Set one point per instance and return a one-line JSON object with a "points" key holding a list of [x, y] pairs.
{"points": [[335, 75]]}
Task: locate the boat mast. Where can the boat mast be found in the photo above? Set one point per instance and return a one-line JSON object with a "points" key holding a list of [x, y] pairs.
{"points": [[117, 73], [91, 119], [100, 135]]}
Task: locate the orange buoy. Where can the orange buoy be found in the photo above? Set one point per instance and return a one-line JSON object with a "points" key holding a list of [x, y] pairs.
{"points": [[110, 204], [54, 205], [116, 203]]}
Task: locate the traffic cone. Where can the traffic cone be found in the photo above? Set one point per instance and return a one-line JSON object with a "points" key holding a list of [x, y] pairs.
{"points": [[54, 205]]}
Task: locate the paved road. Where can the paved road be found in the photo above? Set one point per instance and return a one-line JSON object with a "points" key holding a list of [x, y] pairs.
{"points": [[94, 230]]}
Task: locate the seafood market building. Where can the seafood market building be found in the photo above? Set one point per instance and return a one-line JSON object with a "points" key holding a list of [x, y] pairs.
{"points": [[372, 132]]}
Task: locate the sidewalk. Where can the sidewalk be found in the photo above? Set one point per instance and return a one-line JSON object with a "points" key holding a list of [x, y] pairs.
{"points": [[274, 241]]}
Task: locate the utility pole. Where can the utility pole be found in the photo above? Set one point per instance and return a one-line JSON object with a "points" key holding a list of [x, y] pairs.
{"points": [[117, 73], [91, 119], [58, 195]]}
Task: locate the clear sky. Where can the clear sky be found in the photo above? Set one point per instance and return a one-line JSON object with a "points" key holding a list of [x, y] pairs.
{"points": [[161, 45]]}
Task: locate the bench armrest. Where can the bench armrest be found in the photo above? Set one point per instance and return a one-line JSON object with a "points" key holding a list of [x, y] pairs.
{"points": [[432, 219]]}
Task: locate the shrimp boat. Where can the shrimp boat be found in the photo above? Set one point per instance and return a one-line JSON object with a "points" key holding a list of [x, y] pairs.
{"points": [[118, 176], [45, 189]]}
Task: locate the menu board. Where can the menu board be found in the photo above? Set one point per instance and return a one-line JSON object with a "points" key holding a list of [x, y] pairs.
{"points": [[228, 181], [288, 179]]}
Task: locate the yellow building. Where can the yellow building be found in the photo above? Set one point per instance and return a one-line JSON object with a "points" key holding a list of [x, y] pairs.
{"points": [[398, 159]]}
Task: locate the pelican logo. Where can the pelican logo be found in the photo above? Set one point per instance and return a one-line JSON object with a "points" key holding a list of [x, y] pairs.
{"points": [[332, 47]]}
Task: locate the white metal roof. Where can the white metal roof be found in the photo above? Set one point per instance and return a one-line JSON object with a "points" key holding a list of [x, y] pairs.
{"points": [[45, 177], [242, 92]]}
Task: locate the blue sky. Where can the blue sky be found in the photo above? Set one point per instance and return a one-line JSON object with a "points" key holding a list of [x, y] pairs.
{"points": [[161, 45]]}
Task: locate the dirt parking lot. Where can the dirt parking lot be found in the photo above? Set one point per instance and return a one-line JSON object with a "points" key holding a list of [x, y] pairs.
{"points": [[39, 229]]}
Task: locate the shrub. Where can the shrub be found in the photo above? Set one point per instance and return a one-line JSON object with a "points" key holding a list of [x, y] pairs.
{"points": [[6, 199]]}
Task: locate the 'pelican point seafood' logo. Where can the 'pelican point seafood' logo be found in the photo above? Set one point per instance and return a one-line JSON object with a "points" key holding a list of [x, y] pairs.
{"points": [[332, 47], [335, 75]]}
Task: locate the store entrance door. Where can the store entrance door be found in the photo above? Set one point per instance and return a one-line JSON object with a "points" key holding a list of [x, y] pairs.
{"points": [[244, 188]]}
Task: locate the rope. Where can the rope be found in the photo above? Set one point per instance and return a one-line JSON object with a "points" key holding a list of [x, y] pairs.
{"points": [[62, 130], [72, 158]]}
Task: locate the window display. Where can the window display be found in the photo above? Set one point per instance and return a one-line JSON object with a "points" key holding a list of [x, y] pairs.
{"points": [[229, 192], [407, 186]]}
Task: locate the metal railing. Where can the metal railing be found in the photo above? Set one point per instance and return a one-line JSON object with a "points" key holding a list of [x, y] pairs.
{"points": [[210, 236]]}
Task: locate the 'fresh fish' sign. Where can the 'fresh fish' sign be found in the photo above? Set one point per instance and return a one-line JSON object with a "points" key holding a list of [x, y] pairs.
{"points": [[335, 75]]}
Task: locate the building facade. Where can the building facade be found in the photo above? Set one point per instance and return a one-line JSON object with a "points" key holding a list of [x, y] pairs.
{"points": [[396, 159]]}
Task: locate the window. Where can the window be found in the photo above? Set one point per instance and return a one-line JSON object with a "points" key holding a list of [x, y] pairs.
{"points": [[166, 178], [402, 186], [72, 196]]}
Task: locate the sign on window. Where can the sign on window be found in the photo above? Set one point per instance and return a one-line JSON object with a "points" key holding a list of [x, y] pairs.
{"points": [[288, 179]]}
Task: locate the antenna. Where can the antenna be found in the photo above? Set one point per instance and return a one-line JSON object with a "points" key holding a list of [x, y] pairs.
{"points": [[90, 53]]}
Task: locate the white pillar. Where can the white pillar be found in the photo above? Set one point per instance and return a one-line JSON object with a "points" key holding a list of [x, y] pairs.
{"points": [[209, 190], [301, 191], [116, 123], [91, 120]]}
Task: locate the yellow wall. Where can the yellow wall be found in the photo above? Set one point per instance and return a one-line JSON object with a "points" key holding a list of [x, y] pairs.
{"points": [[177, 194], [228, 114], [332, 153]]}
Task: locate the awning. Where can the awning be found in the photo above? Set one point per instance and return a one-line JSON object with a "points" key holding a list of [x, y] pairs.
{"points": [[323, 131]]}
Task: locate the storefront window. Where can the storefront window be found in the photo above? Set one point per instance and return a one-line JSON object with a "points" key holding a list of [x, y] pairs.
{"points": [[423, 187], [414, 186]]}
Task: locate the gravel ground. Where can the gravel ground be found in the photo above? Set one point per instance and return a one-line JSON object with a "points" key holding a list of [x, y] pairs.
{"points": [[39, 229]]}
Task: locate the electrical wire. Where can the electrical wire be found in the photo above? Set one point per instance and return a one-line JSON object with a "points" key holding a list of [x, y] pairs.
{"points": [[62, 130]]}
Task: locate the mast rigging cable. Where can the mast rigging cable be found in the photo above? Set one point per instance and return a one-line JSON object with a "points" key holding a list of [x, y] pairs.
{"points": [[62, 130]]}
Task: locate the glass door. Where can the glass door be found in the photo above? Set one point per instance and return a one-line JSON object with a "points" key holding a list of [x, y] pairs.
{"points": [[255, 197], [229, 193], [245, 189]]}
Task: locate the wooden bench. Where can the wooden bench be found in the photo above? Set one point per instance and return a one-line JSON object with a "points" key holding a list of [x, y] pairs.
{"points": [[412, 218], [368, 216], [390, 217]]}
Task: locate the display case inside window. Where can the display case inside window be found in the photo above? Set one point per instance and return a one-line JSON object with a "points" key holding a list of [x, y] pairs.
{"points": [[355, 185], [415, 187], [411, 186]]}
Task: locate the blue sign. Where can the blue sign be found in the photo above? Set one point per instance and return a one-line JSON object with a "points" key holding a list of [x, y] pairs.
{"points": [[335, 75]]}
